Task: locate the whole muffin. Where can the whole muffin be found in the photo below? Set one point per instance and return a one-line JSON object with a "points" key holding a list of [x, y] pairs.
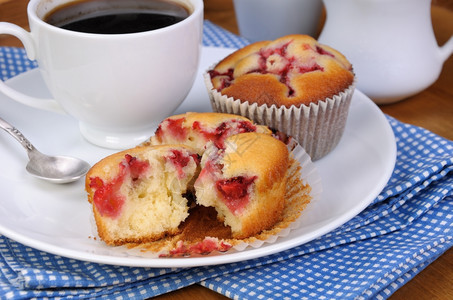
{"points": [[293, 84]]}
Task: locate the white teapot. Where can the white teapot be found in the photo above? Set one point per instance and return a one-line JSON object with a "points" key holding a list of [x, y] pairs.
{"points": [[390, 43]]}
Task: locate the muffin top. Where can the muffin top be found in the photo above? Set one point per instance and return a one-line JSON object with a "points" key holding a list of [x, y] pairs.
{"points": [[291, 70]]}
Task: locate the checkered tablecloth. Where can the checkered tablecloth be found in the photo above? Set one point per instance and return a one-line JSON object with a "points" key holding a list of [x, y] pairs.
{"points": [[406, 227]]}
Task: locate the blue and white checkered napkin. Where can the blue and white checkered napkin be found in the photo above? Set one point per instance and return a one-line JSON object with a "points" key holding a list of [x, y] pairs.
{"points": [[407, 227]]}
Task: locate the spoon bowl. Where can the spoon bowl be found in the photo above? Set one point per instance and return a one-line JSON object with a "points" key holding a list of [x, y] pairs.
{"points": [[55, 169]]}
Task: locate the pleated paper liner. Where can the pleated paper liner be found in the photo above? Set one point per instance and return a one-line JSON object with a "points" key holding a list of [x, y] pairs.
{"points": [[317, 127]]}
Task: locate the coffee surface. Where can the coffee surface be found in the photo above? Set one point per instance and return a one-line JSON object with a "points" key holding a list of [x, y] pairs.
{"points": [[117, 16]]}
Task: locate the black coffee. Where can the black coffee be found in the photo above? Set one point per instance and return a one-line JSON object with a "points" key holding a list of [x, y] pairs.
{"points": [[116, 16]]}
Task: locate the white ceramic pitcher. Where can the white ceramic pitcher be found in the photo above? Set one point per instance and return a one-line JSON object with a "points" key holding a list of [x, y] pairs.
{"points": [[390, 43]]}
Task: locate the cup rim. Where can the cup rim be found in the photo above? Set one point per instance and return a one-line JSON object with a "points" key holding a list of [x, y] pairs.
{"points": [[33, 17]]}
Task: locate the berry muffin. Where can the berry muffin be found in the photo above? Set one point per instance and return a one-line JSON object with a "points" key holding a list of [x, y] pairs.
{"points": [[227, 182], [293, 84]]}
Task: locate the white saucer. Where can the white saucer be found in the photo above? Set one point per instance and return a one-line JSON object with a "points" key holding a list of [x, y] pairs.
{"points": [[56, 218]]}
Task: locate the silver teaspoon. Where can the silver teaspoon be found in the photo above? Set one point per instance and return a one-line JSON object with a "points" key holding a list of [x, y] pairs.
{"points": [[56, 169]]}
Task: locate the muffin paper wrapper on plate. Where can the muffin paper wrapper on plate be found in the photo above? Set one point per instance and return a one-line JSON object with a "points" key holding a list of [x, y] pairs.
{"points": [[306, 189], [317, 127]]}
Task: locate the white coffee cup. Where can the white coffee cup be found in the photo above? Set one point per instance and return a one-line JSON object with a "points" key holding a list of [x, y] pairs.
{"points": [[270, 19], [118, 86]]}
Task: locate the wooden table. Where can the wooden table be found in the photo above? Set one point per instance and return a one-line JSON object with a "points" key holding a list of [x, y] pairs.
{"points": [[431, 109]]}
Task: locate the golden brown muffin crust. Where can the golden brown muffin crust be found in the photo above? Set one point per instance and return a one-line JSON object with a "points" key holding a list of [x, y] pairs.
{"points": [[292, 70]]}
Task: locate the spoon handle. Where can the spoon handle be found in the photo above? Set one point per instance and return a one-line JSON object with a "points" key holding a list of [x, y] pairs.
{"points": [[16, 134]]}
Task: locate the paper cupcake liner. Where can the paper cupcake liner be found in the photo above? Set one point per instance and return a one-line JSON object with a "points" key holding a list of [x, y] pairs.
{"points": [[316, 127]]}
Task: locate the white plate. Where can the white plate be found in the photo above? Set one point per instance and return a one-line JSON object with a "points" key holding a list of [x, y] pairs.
{"points": [[56, 218]]}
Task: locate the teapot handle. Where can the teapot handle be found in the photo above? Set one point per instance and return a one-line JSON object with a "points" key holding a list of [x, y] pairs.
{"points": [[446, 49]]}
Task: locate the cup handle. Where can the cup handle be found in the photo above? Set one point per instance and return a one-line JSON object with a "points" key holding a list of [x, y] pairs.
{"points": [[27, 41]]}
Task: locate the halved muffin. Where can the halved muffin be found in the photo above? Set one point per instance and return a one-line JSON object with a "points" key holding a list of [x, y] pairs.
{"points": [[244, 185], [138, 195]]}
